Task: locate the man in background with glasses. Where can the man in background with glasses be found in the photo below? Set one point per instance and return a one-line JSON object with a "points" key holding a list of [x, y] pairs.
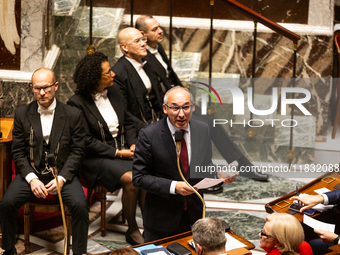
{"points": [[157, 58], [171, 206], [139, 85], [42, 127]]}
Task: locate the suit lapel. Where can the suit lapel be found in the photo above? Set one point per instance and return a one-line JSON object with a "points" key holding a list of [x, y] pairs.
{"points": [[117, 107], [136, 83], [195, 144], [168, 141], [58, 125], [34, 119], [164, 56], [94, 110]]}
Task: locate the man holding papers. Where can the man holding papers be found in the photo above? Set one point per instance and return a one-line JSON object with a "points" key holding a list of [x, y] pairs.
{"points": [[327, 238], [170, 205]]}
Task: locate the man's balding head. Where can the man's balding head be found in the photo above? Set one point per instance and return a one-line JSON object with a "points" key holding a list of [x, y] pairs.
{"points": [[132, 43], [151, 29], [44, 86]]}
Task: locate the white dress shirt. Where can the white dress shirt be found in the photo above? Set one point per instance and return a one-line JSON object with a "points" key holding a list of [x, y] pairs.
{"points": [[106, 110], [142, 74], [187, 138], [46, 119]]}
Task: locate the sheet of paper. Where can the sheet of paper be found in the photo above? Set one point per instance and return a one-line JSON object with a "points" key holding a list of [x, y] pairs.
{"points": [[316, 224], [321, 191], [233, 243], [207, 183]]}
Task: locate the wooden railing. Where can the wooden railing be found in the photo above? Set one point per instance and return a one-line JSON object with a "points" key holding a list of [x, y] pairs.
{"points": [[253, 15]]}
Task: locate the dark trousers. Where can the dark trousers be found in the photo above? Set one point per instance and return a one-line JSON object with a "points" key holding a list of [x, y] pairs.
{"points": [[319, 247], [19, 192], [184, 226]]}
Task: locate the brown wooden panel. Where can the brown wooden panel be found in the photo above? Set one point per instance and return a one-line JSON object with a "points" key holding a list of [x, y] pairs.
{"points": [[328, 180], [186, 237], [7, 60]]}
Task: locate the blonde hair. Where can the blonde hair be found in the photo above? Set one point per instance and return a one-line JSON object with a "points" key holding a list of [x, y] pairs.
{"points": [[287, 230]]}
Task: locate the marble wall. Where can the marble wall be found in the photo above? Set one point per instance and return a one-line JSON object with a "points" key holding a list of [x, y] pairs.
{"points": [[32, 34], [232, 54], [15, 94]]}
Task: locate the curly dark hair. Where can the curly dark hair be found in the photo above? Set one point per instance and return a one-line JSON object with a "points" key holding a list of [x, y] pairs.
{"points": [[88, 74]]}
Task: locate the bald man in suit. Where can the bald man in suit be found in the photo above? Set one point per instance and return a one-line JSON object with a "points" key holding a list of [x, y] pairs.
{"points": [[157, 58]]}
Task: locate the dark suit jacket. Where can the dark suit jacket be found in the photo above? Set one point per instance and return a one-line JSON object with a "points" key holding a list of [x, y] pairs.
{"points": [[68, 130], [96, 149], [155, 167], [133, 89], [333, 196], [172, 79]]}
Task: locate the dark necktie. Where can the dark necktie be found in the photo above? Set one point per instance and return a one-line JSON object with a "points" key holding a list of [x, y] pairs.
{"points": [[184, 155]]}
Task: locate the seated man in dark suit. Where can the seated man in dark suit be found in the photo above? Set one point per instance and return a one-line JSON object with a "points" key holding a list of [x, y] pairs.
{"points": [[170, 205], [327, 239], [46, 126], [138, 83], [157, 58], [209, 236]]}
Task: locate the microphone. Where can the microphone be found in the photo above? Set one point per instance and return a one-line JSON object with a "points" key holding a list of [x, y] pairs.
{"points": [[178, 139]]}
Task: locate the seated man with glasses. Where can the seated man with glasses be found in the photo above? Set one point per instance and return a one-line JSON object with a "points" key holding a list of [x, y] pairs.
{"points": [[42, 127], [171, 206], [138, 83]]}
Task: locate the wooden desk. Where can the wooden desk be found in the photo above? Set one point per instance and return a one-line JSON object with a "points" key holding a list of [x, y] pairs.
{"points": [[5, 157], [5, 154], [328, 180], [184, 238], [335, 250]]}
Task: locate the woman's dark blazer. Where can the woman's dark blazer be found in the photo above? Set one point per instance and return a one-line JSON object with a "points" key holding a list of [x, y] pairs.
{"points": [[96, 148]]}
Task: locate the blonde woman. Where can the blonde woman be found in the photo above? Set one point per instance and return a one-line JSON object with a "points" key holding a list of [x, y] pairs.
{"points": [[283, 232]]}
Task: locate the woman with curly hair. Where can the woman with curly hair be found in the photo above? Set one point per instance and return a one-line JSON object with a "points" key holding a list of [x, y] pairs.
{"points": [[111, 140]]}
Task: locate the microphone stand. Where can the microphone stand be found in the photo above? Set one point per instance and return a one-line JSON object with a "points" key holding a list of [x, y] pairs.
{"points": [[52, 162], [178, 139]]}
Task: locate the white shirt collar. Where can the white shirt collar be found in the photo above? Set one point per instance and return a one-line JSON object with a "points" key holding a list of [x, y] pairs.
{"points": [[173, 129], [50, 108], [135, 63], [98, 95], [152, 50]]}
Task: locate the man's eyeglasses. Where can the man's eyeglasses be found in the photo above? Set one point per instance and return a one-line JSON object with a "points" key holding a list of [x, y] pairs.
{"points": [[46, 88], [176, 109], [262, 233], [139, 40], [108, 72]]}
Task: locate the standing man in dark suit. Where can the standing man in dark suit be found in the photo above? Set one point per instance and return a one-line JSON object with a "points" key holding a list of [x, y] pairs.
{"points": [[170, 205], [327, 238], [42, 127], [160, 63], [138, 83]]}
